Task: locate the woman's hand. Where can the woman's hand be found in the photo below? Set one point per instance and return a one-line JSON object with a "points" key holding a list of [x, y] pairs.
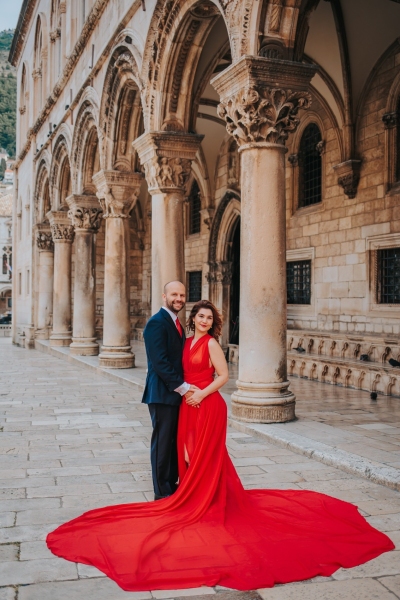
{"points": [[195, 399]]}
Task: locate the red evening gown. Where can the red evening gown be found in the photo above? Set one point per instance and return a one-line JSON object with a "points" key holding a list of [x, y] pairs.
{"points": [[212, 531]]}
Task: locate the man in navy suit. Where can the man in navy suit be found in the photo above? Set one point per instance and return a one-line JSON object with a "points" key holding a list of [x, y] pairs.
{"points": [[164, 340]]}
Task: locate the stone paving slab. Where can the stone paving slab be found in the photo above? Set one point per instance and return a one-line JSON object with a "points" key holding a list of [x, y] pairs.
{"points": [[343, 437], [103, 459]]}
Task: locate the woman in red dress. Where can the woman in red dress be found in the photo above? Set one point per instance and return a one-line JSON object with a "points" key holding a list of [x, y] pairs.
{"points": [[213, 531]]}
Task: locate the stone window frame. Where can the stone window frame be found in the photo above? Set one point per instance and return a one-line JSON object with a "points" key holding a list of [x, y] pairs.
{"points": [[375, 243], [303, 310], [292, 158]]}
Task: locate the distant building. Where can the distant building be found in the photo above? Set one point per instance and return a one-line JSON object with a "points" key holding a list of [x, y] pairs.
{"points": [[8, 176], [6, 202]]}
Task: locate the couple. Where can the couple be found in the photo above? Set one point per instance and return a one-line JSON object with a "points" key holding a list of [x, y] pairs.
{"points": [[210, 530]]}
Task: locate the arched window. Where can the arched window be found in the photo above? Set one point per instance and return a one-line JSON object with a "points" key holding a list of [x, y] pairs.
{"points": [[194, 209], [5, 262], [38, 69], [310, 163], [23, 107]]}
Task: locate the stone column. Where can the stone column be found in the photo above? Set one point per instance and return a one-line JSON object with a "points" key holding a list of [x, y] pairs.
{"points": [[63, 235], [85, 214], [45, 245], [118, 193], [260, 101], [167, 158]]}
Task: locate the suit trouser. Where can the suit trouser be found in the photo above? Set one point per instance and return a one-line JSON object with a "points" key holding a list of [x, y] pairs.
{"points": [[164, 456]]}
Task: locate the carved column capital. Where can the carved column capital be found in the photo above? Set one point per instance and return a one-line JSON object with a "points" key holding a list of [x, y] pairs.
{"points": [[61, 228], [44, 240], [84, 212], [167, 158], [349, 176], [261, 98], [390, 120], [117, 192], [220, 272]]}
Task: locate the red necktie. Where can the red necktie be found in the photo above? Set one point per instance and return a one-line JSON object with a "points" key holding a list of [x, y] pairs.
{"points": [[179, 327]]}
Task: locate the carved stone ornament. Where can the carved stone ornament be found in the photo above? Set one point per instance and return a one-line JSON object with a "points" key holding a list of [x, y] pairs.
{"points": [[220, 272], [349, 176], [117, 192], [164, 172], [263, 115], [294, 160], [86, 218], [113, 207], [167, 158], [62, 233], [44, 241], [390, 120]]}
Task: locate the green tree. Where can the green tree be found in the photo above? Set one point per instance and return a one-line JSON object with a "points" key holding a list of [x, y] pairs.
{"points": [[3, 167], [8, 96]]}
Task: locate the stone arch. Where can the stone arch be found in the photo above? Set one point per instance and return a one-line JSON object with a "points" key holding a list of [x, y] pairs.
{"points": [[60, 174], [176, 37], [121, 110], [41, 198], [220, 225], [224, 227], [86, 157]]}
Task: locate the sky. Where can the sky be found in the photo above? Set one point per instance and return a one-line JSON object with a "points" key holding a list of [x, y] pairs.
{"points": [[9, 12]]}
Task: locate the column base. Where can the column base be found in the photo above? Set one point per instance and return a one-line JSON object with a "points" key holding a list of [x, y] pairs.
{"points": [[42, 334], [61, 339], [113, 357], [263, 402], [84, 347]]}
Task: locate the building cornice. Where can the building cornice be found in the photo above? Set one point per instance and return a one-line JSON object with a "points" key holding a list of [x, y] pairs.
{"points": [[25, 15]]}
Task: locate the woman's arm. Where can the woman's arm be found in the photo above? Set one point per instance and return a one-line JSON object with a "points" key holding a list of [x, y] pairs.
{"points": [[219, 363]]}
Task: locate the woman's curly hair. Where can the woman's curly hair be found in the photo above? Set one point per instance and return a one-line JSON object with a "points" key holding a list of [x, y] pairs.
{"points": [[216, 328]]}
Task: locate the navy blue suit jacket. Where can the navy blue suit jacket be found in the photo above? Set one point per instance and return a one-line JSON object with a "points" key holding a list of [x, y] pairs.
{"points": [[164, 347]]}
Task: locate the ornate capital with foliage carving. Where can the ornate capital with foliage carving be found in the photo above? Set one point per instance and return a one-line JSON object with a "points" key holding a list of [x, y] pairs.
{"points": [[84, 212], [261, 98], [61, 228], [167, 158], [117, 192], [44, 241], [62, 233], [263, 115]]}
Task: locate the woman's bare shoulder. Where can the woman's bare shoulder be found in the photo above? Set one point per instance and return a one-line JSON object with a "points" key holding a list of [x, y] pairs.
{"points": [[212, 343]]}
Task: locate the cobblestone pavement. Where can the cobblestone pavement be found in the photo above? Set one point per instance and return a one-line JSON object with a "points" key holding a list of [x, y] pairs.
{"points": [[71, 440]]}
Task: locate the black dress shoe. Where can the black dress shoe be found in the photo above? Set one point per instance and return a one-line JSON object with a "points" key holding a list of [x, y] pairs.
{"points": [[156, 497]]}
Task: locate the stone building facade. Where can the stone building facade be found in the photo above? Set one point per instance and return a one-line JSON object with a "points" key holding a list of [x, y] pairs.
{"points": [[6, 203], [250, 149]]}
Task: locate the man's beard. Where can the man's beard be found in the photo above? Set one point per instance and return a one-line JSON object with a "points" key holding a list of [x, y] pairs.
{"points": [[171, 307]]}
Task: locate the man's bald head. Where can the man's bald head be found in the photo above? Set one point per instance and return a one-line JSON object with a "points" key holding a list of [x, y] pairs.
{"points": [[171, 284], [174, 296]]}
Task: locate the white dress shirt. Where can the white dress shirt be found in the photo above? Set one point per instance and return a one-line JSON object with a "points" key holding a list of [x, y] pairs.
{"points": [[184, 388]]}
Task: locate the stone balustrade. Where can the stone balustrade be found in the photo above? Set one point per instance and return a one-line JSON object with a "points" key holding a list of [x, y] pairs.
{"points": [[335, 359]]}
